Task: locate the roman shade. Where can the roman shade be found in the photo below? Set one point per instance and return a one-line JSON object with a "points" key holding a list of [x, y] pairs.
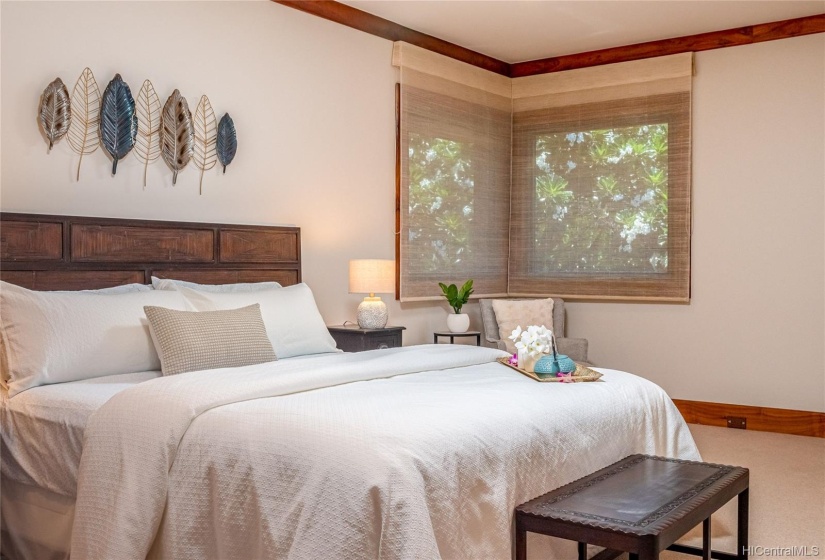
{"points": [[575, 184], [600, 192], [454, 140]]}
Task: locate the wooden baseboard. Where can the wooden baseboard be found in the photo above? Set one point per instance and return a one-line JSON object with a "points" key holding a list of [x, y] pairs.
{"points": [[760, 418]]}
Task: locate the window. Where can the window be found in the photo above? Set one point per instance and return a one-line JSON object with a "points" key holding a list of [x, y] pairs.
{"points": [[441, 202], [454, 199], [575, 184], [603, 194], [600, 199]]}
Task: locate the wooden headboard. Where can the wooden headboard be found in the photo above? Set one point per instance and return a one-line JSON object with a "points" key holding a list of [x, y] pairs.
{"points": [[43, 252]]}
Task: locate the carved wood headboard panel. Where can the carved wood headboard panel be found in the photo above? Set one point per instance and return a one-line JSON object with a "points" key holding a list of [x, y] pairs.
{"points": [[43, 252]]}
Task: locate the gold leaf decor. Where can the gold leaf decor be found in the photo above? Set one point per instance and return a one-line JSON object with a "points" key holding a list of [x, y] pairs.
{"points": [[84, 133], [176, 138], [55, 112], [206, 137], [147, 147]]}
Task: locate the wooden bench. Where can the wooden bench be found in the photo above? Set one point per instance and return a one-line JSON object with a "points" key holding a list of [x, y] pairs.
{"points": [[641, 505]]}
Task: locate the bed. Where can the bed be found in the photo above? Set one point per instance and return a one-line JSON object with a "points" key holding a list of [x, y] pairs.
{"points": [[414, 452]]}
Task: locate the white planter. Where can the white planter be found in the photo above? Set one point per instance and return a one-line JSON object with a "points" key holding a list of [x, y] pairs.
{"points": [[458, 322], [527, 362]]}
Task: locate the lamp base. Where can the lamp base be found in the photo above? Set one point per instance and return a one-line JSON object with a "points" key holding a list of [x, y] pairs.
{"points": [[372, 313]]}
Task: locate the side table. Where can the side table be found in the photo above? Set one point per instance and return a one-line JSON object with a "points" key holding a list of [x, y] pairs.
{"points": [[355, 339], [454, 335]]}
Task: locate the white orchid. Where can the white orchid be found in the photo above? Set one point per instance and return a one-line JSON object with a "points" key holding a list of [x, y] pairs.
{"points": [[536, 340]]}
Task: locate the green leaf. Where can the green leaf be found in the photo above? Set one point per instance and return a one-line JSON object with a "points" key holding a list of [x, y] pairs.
{"points": [[457, 297], [452, 292]]}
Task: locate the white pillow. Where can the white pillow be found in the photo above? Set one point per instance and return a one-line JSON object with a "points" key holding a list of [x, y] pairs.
{"points": [[124, 289], [54, 337], [293, 323], [4, 367], [168, 284]]}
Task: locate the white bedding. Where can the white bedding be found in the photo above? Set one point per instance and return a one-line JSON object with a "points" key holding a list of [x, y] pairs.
{"points": [[41, 429], [416, 452]]}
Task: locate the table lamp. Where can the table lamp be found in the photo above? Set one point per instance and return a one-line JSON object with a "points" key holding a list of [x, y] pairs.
{"points": [[371, 276]]}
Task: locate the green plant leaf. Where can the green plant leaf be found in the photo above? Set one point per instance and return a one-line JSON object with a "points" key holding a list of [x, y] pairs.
{"points": [[452, 292], [457, 297]]}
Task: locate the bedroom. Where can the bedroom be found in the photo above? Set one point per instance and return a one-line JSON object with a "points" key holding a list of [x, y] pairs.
{"points": [[314, 105]]}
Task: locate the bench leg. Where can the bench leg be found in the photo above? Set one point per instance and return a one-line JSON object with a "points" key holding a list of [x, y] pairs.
{"points": [[646, 552], [742, 526], [521, 541], [706, 539], [582, 551]]}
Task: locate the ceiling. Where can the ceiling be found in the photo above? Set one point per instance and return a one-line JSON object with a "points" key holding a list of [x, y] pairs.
{"points": [[519, 30]]}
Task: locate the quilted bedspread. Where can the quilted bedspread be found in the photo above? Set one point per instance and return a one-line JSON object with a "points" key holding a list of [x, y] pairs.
{"points": [[409, 453]]}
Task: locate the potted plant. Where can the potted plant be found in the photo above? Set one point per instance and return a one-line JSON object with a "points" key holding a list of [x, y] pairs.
{"points": [[457, 322]]}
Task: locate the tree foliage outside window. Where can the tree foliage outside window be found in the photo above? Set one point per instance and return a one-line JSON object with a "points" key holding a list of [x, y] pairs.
{"points": [[441, 188], [601, 201]]}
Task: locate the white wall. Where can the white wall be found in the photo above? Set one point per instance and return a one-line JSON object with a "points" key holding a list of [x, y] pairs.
{"points": [[754, 332], [313, 103]]}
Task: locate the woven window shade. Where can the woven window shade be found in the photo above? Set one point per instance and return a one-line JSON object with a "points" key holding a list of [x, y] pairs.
{"points": [[600, 193], [455, 140], [574, 184]]}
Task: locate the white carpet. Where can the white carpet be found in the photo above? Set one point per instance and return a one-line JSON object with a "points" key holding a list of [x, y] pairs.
{"points": [[787, 490]]}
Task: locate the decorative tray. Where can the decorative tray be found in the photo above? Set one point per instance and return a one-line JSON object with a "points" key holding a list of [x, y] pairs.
{"points": [[581, 374]]}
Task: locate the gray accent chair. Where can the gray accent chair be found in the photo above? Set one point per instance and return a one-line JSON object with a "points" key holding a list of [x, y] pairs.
{"points": [[575, 348]]}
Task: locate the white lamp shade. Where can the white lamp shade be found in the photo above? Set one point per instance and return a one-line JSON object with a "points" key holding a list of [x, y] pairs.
{"points": [[372, 276]]}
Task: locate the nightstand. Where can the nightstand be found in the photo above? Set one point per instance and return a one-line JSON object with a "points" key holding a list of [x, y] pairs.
{"points": [[355, 339]]}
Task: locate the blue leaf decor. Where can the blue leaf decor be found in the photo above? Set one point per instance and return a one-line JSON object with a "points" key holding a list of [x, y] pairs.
{"points": [[227, 141], [118, 120]]}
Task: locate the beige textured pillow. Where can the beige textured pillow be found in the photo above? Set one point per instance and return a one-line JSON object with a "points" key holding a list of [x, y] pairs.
{"points": [[195, 340], [521, 313]]}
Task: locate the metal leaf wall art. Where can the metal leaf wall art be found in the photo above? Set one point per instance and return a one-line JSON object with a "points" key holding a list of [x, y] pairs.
{"points": [[147, 148], [206, 136], [84, 134], [121, 123], [118, 120], [227, 141], [177, 138], [55, 111]]}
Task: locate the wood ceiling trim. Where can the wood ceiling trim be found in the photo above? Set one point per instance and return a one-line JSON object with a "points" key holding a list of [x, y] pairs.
{"points": [[374, 25], [691, 43]]}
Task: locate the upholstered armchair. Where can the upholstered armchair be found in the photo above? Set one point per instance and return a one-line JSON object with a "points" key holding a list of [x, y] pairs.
{"points": [[576, 348]]}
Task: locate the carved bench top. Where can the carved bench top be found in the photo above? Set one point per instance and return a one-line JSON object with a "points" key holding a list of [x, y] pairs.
{"points": [[639, 495]]}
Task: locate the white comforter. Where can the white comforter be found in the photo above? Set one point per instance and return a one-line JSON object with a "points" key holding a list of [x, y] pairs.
{"points": [[410, 453]]}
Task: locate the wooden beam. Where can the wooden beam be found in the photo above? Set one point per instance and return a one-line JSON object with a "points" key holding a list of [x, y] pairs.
{"points": [[691, 43], [759, 418], [374, 25]]}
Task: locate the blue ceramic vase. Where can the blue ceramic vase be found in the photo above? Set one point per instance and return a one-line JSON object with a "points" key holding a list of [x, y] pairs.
{"points": [[547, 366]]}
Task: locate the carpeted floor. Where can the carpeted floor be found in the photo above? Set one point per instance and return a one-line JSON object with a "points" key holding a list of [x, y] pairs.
{"points": [[787, 490]]}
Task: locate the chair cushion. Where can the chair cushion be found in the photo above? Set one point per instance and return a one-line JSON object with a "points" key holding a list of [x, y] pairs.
{"points": [[521, 313]]}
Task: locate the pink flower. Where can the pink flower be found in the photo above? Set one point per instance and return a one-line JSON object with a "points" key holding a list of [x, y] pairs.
{"points": [[513, 361], [565, 377]]}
